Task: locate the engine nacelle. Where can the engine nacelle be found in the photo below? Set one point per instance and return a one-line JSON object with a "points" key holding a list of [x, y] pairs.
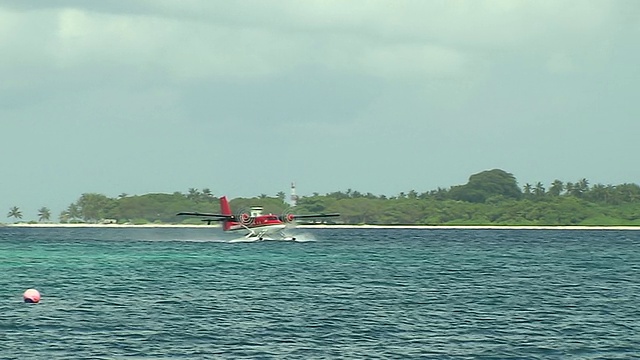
{"points": [[287, 217]]}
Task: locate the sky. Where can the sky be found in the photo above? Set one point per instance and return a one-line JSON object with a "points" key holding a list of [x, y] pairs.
{"points": [[244, 97]]}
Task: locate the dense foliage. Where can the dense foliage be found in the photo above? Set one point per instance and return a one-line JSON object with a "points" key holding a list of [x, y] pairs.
{"points": [[489, 198]]}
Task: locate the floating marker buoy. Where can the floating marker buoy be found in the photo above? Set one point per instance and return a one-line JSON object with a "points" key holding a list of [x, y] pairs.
{"points": [[31, 296]]}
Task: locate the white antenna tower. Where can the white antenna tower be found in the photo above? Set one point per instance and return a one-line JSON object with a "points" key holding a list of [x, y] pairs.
{"points": [[294, 197]]}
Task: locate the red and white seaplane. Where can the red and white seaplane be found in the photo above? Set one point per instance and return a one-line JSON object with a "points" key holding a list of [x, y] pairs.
{"points": [[257, 225]]}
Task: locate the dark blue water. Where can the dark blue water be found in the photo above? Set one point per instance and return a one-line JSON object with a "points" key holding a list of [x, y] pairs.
{"points": [[386, 294]]}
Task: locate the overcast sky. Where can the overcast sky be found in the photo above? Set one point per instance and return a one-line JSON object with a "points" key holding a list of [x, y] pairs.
{"points": [[243, 97]]}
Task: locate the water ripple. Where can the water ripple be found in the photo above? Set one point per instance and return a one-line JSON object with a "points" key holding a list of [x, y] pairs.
{"points": [[375, 294]]}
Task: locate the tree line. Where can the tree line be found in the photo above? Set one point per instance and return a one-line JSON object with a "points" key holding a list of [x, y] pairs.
{"points": [[44, 214], [490, 197]]}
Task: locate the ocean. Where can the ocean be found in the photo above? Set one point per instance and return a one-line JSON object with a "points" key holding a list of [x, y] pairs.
{"points": [[183, 293]]}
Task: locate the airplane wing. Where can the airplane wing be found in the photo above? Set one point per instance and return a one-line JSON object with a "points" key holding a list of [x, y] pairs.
{"points": [[315, 216], [220, 216], [209, 217], [292, 217]]}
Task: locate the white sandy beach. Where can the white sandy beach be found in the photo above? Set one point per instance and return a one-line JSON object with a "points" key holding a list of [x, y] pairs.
{"points": [[323, 226]]}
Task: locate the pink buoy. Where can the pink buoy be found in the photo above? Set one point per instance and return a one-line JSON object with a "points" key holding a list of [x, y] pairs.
{"points": [[31, 296]]}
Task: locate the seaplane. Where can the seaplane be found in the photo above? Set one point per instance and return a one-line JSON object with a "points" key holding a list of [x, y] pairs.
{"points": [[256, 225]]}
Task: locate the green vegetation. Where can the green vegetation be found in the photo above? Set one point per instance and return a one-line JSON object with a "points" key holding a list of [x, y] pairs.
{"points": [[489, 198]]}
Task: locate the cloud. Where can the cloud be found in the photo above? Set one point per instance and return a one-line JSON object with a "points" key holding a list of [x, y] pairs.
{"points": [[560, 63], [411, 60], [393, 40], [165, 92], [168, 46]]}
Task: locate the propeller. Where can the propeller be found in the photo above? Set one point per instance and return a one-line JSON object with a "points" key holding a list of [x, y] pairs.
{"points": [[287, 216], [244, 218]]}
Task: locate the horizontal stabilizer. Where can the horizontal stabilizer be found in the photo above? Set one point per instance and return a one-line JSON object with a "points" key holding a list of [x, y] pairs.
{"points": [[209, 221]]}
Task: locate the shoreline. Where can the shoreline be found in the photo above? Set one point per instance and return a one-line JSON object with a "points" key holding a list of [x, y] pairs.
{"points": [[324, 226]]}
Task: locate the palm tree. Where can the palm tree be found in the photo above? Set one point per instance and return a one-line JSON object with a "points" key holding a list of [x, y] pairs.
{"points": [[556, 188], [539, 189], [64, 216], [578, 189], [583, 185], [15, 213], [74, 212], [570, 188], [598, 192], [44, 214], [193, 194]]}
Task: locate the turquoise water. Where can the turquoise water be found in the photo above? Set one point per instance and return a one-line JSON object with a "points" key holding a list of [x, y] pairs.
{"points": [[375, 294]]}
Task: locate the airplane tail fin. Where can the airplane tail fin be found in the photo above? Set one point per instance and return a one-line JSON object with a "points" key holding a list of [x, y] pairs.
{"points": [[225, 209]]}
